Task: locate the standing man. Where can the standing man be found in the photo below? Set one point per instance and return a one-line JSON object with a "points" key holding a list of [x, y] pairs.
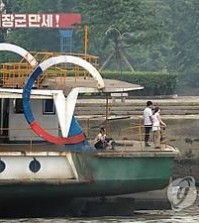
{"points": [[148, 121]]}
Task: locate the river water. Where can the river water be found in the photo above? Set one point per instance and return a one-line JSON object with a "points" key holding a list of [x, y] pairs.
{"points": [[190, 215], [185, 210]]}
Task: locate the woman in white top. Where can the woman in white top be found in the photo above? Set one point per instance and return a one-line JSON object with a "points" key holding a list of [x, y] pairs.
{"points": [[156, 127]]}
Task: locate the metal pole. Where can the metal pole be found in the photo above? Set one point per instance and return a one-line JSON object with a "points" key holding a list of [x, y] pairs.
{"points": [[107, 109], [85, 39]]}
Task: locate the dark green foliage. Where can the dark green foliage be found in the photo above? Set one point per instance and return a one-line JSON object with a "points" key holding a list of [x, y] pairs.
{"points": [[138, 18], [184, 28], [165, 33], [154, 83], [38, 39]]}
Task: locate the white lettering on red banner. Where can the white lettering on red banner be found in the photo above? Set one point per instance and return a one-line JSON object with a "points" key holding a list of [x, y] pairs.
{"points": [[47, 21], [7, 20], [34, 20], [40, 20], [20, 21]]}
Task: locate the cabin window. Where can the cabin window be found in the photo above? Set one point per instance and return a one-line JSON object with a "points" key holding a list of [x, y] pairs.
{"points": [[48, 107], [18, 106]]}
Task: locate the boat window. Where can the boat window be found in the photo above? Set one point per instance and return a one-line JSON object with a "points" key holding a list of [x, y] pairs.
{"points": [[48, 107], [18, 106]]}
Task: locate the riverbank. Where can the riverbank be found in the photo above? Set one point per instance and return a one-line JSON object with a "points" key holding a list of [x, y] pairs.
{"points": [[182, 105]]}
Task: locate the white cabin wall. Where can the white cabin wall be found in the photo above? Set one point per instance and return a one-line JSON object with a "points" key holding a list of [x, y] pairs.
{"points": [[20, 129]]}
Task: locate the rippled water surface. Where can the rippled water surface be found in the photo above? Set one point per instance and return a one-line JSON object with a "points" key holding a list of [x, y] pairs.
{"points": [[190, 215]]}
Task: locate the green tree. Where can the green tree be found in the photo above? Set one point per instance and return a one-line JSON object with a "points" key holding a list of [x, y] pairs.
{"points": [[37, 39], [184, 27], [139, 18]]}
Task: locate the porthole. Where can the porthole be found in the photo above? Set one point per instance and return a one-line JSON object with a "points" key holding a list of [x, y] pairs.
{"points": [[2, 166], [34, 165]]}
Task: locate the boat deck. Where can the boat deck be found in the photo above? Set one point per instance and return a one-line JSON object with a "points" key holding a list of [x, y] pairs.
{"points": [[122, 148]]}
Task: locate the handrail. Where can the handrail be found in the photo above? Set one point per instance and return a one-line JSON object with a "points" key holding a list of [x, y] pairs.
{"points": [[129, 137], [137, 131], [27, 137], [14, 74]]}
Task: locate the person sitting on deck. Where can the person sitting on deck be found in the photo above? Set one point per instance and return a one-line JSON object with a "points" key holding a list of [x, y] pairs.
{"points": [[103, 142]]}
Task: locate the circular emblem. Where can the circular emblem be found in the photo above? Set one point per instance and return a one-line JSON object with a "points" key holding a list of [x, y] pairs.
{"points": [[182, 193]]}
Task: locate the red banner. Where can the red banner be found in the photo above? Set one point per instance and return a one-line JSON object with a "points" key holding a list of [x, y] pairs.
{"points": [[59, 21]]}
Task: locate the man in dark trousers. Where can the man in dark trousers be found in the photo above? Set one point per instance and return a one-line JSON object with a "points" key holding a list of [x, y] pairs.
{"points": [[148, 121]]}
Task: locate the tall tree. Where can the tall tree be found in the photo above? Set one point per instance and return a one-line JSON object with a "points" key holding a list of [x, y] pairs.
{"points": [[184, 27], [110, 20]]}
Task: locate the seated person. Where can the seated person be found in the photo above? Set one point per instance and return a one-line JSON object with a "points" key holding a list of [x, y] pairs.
{"points": [[103, 142]]}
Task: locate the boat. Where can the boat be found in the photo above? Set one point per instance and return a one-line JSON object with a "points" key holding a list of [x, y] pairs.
{"points": [[45, 152]]}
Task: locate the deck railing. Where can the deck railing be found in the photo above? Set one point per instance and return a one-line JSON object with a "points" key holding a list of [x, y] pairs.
{"points": [[127, 136], [131, 137], [15, 74]]}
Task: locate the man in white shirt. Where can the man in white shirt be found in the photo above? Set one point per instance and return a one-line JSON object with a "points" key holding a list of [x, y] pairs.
{"points": [[148, 121]]}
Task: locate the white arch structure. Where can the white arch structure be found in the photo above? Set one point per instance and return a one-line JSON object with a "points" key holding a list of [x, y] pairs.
{"points": [[77, 61], [20, 51], [64, 107]]}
